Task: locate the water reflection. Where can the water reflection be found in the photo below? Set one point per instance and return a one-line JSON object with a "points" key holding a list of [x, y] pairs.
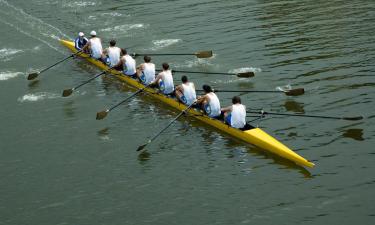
{"points": [[294, 106], [356, 134], [33, 84], [69, 109], [143, 157]]}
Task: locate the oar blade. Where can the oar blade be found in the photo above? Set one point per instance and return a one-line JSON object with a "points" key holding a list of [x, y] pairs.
{"points": [[67, 92], [204, 54], [101, 115], [295, 92], [246, 74], [140, 148], [353, 118], [32, 76]]}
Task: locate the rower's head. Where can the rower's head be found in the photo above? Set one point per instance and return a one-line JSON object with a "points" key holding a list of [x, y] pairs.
{"points": [[184, 79], [123, 51], [81, 34], [147, 59], [112, 43], [93, 33], [207, 88], [165, 66], [236, 100]]}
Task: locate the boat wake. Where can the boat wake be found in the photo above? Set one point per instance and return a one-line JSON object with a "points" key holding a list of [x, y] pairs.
{"points": [[159, 44], [287, 87], [7, 54], [124, 30], [29, 25], [246, 69], [38, 97], [6, 75]]}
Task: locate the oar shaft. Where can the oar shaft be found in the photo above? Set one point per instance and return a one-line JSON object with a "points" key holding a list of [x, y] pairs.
{"points": [[152, 54], [182, 71], [59, 62], [131, 96], [170, 123], [92, 78], [304, 115], [238, 91]]}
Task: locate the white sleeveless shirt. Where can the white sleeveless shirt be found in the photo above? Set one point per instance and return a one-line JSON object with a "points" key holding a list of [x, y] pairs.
{"points": [[113, 55], [189, 93], [166, 83], [238, 116], [213, 106], [129, 65], [96, 47], [148, 73]]}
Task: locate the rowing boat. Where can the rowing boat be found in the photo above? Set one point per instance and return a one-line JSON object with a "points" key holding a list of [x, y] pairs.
{"points": [[254, 136]]}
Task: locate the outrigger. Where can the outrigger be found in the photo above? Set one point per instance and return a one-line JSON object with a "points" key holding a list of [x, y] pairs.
{"points": [[254, 136]]}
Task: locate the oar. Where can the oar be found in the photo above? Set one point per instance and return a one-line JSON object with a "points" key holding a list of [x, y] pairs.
{"points": [[68, 92], [103, 114], [304, 115], [242, 74], [34, 75], [161, 131], [200, 54], [292, 92]]}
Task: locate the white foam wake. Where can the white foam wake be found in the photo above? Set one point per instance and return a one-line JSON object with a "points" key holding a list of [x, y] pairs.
{"points": [[159, 44], [246, 69], [37, 97], [29, 25], [7, 54], [81, 4], [6, 75]]}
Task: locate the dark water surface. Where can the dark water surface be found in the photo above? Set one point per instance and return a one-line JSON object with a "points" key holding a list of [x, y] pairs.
{"points": [[58, 165]]}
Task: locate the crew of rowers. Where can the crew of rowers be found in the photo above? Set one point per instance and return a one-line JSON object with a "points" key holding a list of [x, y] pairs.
{"points": [[119, 59]]}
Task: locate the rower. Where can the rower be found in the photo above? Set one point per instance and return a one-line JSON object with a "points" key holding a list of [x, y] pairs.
{"points": [[126, 64], [146, 71], [235, 115], [112, 54], [186, 91], [80, 41], [210, 102], [165, 80], [94, 45]]}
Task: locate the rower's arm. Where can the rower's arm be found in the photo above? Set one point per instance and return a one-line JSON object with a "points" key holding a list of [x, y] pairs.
{"points": [[227, 109]]}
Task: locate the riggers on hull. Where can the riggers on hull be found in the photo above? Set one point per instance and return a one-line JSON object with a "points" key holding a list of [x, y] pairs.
{"points": [[255, 136]]}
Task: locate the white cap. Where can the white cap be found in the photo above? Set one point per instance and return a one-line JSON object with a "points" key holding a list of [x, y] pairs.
{"points": [[93, 33], [81, 34]]}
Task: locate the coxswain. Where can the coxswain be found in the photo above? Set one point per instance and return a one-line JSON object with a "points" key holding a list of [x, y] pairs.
{"points": [[210, 102], [165, 80], [80, 41], [126, 64], [235, 115], [146, 71], [94, 45], [112, 54], [186, 91]]}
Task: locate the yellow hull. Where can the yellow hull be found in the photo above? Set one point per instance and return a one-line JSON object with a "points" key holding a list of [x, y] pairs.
{"points": [[254, 136]]}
